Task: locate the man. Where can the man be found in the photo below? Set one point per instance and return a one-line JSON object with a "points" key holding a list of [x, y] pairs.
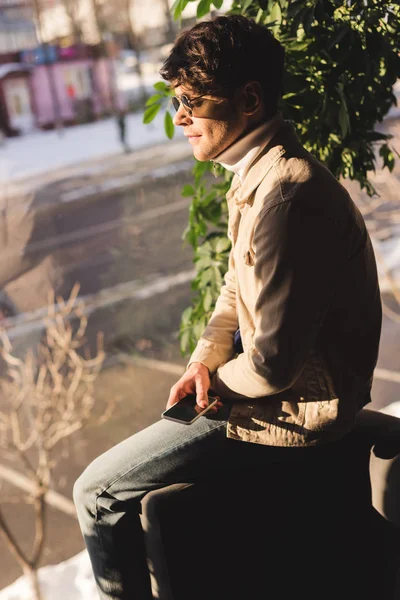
{"points": [[301, 288]]}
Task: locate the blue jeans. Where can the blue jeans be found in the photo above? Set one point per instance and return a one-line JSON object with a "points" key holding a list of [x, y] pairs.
{"points": [[107, 495]]}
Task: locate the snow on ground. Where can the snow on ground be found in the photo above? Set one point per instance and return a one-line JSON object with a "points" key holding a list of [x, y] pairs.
{"points": [[42, 151], [70, 580], [129, 82]]}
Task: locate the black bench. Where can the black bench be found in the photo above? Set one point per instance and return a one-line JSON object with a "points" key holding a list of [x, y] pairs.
{"points": [[340, 539]]}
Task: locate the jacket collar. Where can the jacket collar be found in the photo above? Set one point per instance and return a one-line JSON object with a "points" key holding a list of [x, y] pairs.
{"points": [[261, 165]]}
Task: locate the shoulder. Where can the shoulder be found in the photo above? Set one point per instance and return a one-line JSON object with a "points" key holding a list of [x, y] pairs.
{"points": [[300, 179]]}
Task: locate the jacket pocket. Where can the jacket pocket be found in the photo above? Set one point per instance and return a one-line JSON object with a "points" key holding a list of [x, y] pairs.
{"points": [[321, 401]]}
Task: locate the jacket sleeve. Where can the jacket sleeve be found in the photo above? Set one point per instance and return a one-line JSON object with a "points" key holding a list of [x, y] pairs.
{"points": [[215, 347], [296, 270]]}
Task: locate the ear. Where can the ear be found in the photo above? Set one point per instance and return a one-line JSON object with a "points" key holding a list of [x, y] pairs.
{"points": [[252, 97]]}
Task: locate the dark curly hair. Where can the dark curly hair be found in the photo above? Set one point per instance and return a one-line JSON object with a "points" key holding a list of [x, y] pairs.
{"points": [[221, 55]]}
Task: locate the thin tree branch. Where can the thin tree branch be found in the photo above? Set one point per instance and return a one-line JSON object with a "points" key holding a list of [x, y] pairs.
{"points": [[12, 543]]}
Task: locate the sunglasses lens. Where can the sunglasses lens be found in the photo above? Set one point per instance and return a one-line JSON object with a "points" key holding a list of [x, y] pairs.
{"points": [[185, 102], [175, 103]]}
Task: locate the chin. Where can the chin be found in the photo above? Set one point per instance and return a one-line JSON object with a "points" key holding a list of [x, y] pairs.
{"points": [[201, 156]]}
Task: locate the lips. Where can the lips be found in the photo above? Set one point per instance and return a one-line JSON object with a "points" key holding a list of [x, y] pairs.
{"points": [[193, 138]]}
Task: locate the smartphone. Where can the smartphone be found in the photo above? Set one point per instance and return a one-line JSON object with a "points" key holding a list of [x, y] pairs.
{"points": [[186, 411]]}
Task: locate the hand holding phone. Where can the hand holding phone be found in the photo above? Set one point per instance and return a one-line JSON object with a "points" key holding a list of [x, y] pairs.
{"points": [[196, 379], [187, 411]]}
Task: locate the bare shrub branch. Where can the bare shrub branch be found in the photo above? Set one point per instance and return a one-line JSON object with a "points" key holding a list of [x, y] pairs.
{"points": [[47, 396]]}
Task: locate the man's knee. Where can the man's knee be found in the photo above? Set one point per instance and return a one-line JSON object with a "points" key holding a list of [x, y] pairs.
{"points": [[83, 492]]}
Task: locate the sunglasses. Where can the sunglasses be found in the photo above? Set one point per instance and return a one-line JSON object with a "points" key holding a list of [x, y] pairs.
{"points": [[186, 102]]}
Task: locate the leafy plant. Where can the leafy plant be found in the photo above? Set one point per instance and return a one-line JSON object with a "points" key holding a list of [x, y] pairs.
{"points": [[342, 60]]}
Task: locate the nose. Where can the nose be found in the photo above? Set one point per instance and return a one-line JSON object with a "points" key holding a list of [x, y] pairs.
{"points": [[181, 117]]}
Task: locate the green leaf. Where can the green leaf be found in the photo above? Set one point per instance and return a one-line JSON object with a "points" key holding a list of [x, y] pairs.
{"points": [[294, 8], [308, 19], [276, 13], [202, 226], [218, 3], [185, 340], [178, 7], [206, 200], [388, 157], [296, 23], [205, 249], [200, 168], [161, 86], [202, 263], [205, 277], [246, 5], [216, 277], [154, 99], [214, 213], [203, 8], [299, 46], [188, 190], [335, 138], [344, 119], [150, 113], [169, 125], [190, 237], [338, 37], [222, 245], [259, 16], [207, 300], [187, 315]]}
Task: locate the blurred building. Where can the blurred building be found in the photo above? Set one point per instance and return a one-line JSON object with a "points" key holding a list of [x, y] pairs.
{"points": [[17, 27], [16, 112], [47, 85], [17, 32]]}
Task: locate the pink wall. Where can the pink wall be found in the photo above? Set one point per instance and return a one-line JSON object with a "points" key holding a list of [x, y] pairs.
{"points": [[43, 99]]}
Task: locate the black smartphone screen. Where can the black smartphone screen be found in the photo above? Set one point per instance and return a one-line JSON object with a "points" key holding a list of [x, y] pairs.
{"points": [[185, 411]]}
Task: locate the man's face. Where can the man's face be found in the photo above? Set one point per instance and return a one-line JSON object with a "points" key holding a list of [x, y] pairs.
{"points": [[214, 125]]}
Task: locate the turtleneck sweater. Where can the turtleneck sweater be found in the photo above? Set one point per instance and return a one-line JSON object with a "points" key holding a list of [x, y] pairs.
{"points": [[241, 154]]}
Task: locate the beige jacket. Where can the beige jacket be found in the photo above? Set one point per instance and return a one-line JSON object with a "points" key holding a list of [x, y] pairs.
{"points": [[302, 287]]}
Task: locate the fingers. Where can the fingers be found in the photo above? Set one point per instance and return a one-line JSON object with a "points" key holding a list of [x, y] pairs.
{"points": [[196, 381], [175, 395], [202, 387], [182, 388], [216, 407]]}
